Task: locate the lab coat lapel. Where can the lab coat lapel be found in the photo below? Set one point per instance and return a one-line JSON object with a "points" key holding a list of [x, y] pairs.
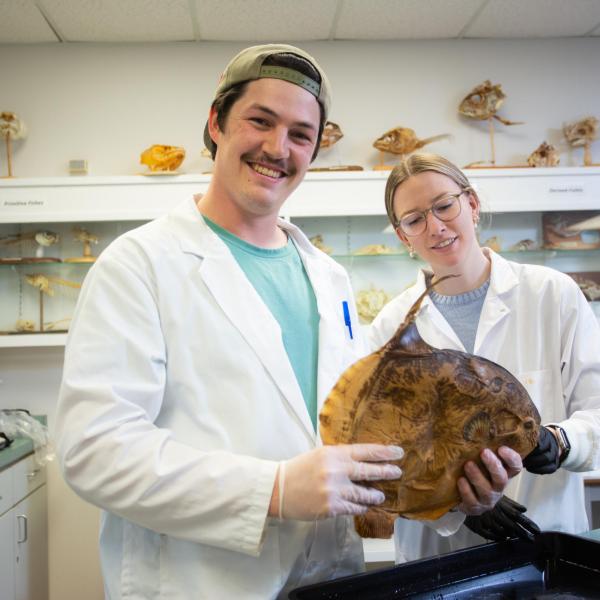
{"points": [[323, 281], [242, 305], [495, 309]]}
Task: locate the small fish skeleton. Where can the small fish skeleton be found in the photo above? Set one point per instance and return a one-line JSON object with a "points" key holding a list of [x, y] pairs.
{"points": [[482, 103], [83, 235], [442, 406], [42, 282], [43, 238], [545, 155], [332, 133], [161, 158], [403, 140]]}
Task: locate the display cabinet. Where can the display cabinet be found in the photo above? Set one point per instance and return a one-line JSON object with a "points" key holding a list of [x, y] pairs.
{"points": [[51, 230]]}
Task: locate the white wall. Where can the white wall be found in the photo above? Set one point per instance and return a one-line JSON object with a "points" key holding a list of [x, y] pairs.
{"points": [[107, 103]]}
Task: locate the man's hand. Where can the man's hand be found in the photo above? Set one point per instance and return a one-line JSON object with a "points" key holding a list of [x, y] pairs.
{"points": [[545, 457], [506, 520], [479, 490], [320, 483]]}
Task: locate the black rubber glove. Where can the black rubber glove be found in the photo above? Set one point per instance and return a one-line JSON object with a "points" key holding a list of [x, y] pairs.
{"points": [[545, 457], [506, 520]]}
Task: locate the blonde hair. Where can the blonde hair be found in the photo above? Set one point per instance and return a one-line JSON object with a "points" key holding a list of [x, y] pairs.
{"points": [[419, 163]]}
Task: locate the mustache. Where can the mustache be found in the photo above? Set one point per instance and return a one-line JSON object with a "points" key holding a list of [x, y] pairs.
{"points": [[269, 162]]}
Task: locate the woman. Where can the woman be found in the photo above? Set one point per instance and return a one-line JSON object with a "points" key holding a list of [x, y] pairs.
{"points": [[532, 320]]}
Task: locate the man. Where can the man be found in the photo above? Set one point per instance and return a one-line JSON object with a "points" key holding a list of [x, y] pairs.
{"points": [[200, 350]]}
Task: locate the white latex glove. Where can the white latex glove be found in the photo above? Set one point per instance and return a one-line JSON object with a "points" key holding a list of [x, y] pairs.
{"points": [[319, 484], [479, 490]]}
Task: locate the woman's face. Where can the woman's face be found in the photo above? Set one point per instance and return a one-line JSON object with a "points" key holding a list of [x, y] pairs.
{"points": [[443, 244]]}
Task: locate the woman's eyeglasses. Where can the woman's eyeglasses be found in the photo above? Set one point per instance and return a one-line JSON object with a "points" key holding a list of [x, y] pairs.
{"points": [[445, 209]]}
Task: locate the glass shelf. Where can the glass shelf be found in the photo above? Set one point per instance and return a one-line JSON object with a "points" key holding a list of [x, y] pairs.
{"points": [[60, 264], [517, 256]]}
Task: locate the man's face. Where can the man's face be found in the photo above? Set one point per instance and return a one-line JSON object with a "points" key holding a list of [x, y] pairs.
{"points": [[266, 146]]}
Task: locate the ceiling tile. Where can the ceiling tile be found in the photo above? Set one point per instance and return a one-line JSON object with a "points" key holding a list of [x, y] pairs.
{"points": [[265, 20], [404, 19], [21, 22], [121, 21], [535, 18]]}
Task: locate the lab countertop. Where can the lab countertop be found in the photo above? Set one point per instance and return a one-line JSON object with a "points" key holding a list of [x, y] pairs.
{"points": [[20, 448]]}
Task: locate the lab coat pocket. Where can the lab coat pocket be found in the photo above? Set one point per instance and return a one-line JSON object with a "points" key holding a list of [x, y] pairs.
{"points": [[141, 566], [539, 387]]}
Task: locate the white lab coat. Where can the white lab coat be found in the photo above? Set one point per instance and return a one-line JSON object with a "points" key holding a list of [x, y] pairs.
{"points": [[177, 402], [536, 323]]}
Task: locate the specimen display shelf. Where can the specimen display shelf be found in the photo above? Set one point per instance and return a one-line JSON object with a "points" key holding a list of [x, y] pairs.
{"points": [[347, 208]]}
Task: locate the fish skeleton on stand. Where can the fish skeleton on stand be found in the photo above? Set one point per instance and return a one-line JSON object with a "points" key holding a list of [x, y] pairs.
{"points": [[43, 238], [403, 140], [83, 235], [42, 282], [442, 406], [483, 102], [332, 133]]}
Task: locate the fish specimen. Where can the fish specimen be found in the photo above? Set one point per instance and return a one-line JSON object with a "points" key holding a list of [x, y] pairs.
{"points": [[589, 287], [43, 238], [370, 302], [545, 155], [402, 141], [523, 245], [582, 133], [332, 134], [373, 249], [442, 406], [482, 104], [317, 242], [11, 128], [494, 243], [160, 158], [42, 282], [23, 325], [87, 239]]}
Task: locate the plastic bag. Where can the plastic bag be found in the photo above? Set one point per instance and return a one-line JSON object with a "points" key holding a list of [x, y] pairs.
{"points": [[19, 423]]}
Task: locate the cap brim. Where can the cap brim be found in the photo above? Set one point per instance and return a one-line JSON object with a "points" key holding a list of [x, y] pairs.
{"points": [[207, 139]]}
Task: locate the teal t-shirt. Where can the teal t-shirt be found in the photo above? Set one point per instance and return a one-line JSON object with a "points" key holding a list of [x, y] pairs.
{"points": [[280, 279]]}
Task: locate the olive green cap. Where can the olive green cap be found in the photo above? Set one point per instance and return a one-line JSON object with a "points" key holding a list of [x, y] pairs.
{"points": [[248, 65]]}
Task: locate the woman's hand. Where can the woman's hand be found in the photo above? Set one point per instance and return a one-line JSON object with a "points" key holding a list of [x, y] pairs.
{"points": [[480, 490]]}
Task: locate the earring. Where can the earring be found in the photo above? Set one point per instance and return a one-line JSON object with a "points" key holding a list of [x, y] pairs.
{"points": [[411, 251], [476, 221]]}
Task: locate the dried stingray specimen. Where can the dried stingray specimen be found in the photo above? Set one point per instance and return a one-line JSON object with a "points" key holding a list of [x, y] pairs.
{"points": [[442, 406], [545, 155], [332, 133], [160, 158]]}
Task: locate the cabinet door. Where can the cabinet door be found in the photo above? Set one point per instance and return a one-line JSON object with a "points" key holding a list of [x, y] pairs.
{"points": [[7, 556], [31, 541]]}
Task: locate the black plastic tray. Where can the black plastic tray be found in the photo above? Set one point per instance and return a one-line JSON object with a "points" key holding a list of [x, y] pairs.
{"points": [[555, 565]]}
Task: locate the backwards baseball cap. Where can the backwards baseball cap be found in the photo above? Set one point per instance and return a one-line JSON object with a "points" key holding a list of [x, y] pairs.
{"points": [[249, 65]]}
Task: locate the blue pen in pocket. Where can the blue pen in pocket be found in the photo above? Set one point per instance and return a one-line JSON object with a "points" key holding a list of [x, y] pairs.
{"points": [[347, 320]]}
